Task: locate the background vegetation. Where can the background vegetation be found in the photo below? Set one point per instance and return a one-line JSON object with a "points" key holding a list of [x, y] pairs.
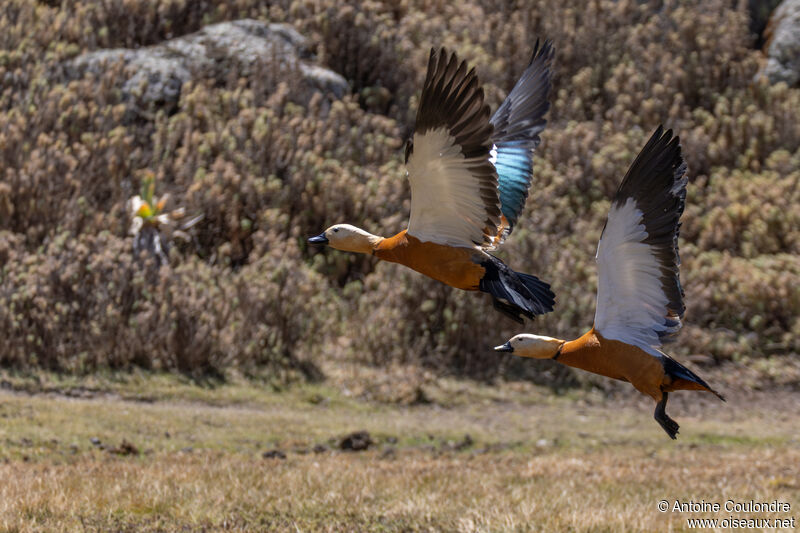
{"points": [[246, 293]]}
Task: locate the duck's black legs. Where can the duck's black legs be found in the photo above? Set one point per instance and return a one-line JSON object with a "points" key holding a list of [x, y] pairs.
{"points": [[669, 425], [509, 310]]}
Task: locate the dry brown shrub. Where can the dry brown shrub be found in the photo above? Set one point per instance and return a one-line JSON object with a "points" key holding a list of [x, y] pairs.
{"points": [[86, 303], [267, 171]]}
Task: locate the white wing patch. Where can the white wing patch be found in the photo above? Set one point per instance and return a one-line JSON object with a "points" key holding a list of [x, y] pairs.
{"points": [[493, 154], [446, 203], [630, 299]]}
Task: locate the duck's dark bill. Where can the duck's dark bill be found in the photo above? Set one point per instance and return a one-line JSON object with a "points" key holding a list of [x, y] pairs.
{"points": [[319, 239], [504, 348]]}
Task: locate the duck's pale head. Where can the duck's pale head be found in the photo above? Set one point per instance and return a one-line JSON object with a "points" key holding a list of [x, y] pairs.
{"points": [[347, 238], [534, 346]]}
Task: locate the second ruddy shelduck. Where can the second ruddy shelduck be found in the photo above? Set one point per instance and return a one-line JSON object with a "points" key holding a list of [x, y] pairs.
{"points": [[639, 294], [469, 175]]}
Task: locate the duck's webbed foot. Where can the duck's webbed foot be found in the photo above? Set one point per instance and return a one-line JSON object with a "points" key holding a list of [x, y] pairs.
{"points": [[669, 425]]}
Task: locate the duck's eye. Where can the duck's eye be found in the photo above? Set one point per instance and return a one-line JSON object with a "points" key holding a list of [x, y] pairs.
{"points": [[335, 230]]}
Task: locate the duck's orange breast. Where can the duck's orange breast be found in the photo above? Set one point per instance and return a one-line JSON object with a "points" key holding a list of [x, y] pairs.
{"points": [[617, 360], [452, 265]]}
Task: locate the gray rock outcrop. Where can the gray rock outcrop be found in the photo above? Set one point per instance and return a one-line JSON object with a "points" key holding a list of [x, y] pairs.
{"points": [[155, 74], [783, 44]]}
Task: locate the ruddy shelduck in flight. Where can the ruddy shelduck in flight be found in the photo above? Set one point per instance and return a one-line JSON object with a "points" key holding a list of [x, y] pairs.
{"points": [[469, 175], [639, 294]]}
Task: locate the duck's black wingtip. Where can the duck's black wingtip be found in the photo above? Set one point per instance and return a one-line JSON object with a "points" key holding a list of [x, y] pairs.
{"points": [[542, 49]]}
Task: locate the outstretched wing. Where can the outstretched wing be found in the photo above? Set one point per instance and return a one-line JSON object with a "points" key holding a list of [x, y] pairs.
{"points": [[639, 294], [454, 199], [517, 125]]}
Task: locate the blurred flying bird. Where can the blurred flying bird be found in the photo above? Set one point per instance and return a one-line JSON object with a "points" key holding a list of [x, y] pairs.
{"points": [[469, 177], [639, 294]]}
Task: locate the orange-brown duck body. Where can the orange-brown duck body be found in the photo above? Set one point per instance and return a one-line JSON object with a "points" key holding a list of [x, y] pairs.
{"points": [[625, 362], [455, 266]]}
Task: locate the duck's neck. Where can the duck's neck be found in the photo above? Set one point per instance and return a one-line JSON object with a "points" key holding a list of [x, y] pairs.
{"points": [[366, 243], [593, 353], [375, 241], [386, 246], [579, 353]]}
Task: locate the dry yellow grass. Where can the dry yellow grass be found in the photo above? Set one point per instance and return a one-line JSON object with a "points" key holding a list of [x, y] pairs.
{"points": [[534, 462]]}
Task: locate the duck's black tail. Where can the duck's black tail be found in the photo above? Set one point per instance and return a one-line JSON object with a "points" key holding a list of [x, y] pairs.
{"points": [[515, 294], [685, 379]]}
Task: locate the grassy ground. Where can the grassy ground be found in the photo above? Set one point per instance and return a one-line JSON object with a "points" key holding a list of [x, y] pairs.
{"points": [[153, 454]]}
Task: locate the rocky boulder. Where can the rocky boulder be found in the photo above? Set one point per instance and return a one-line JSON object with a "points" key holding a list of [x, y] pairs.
{"points": [[783, 44], [249, 48]]}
